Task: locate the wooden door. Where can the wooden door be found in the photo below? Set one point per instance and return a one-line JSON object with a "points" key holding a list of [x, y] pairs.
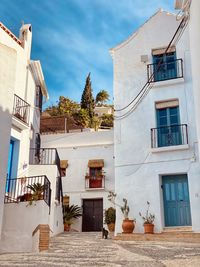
{"points": [[92, 215], [176, 200]]}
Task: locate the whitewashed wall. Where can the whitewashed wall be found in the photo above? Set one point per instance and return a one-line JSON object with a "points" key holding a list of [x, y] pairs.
{"points": [[138, 169], [78, 149], [7, 80], [55, 216], [16, 78], [19, 224], [194, 22]]}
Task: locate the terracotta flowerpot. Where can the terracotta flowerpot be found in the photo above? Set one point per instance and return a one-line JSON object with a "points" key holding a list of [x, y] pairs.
{"points": [[67, 227], [148, 228], [128, 226], [111, 227]]}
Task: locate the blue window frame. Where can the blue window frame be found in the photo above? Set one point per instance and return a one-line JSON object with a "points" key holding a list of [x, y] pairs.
{"points": [[168, 127], [165, 66]]}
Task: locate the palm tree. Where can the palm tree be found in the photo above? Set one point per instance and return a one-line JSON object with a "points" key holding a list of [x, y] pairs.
{"points": [[71, 212], [102, 97]]}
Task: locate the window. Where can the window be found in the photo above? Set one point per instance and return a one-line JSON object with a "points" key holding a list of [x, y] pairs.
{"points": [[37, 147], [165, 66], [63, 167], [169, 130], [95, 172], [38, 103]]}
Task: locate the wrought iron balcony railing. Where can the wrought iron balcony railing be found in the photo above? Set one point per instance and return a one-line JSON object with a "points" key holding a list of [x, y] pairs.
{"points": [[21, 109], [165, 71], [44, 156], [30, 189], [94, 181], [173, 135]]}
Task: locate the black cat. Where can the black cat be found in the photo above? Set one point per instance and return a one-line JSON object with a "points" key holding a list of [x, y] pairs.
{"points": [[104, 233]]}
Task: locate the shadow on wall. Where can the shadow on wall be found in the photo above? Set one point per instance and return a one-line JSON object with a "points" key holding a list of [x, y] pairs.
{"points": [[5, 131]]}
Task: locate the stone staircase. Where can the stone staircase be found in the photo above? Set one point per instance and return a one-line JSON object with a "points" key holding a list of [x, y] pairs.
{"points": [[171, 234], [70, 249]]}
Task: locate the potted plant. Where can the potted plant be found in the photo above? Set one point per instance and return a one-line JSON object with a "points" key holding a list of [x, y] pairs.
{"points": [[70, 213], [37, 191], [127, 225], [110, 216], [148, 220]]}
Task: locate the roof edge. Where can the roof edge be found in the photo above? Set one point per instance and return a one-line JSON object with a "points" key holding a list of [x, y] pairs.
{"points": [[14, 37], [134, 34], [36, 69]]}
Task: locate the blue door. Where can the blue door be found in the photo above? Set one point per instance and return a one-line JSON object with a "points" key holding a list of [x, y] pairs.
{"points": [[168, 127], [176, 200], [9, 167]]}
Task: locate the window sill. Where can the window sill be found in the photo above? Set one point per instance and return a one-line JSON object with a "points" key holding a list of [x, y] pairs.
{"points": [[168, 82], [94, 189], [169, 148]]}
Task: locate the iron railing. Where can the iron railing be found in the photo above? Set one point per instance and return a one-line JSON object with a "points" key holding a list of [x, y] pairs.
{"points": [[169, 136], [165, 71], [44, 156], [94, 181], [18, 189], [48, 156], [21, 109]]}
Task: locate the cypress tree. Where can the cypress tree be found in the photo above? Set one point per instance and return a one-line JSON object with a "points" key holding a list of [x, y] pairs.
{"points": [[87, 100]]}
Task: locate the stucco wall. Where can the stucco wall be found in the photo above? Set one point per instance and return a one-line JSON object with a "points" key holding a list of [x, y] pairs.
{"points": [[138, 169], [20, 220], [7, 78], [56, 217], [78, 149]]}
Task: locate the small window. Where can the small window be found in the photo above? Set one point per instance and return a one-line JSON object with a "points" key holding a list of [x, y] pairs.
{"points": [[63, 167], [96, 172], [38, 103]]}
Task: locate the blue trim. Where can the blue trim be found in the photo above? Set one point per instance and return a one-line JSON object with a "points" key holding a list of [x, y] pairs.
{"points": [[10, 163]]}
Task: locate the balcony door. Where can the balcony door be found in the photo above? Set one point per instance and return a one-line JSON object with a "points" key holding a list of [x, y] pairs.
{"points": [[168, 127], [165, 66]]}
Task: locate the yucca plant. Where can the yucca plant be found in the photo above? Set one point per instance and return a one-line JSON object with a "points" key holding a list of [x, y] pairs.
{"points": [[71, 212]]}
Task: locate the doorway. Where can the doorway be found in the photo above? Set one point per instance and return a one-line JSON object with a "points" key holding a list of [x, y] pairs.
{"points": [[92, 215], [176, 200]]}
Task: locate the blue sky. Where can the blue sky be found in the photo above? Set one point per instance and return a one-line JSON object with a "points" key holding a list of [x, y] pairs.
{"points": [[72, 37]]}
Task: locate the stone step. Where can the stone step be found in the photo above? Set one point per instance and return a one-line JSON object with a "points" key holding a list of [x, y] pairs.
{"points": [[189, 237], [177, 229]]}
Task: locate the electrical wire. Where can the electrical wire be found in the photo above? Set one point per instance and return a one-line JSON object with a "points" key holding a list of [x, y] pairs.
{"points": [[149, 84], [150, 80]]}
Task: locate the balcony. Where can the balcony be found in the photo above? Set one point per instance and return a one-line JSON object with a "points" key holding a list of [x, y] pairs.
{"points": [[95, 182], [29, 189], [165, 70], [48, 156], [21, 113], [174, 135], [44, 156]]}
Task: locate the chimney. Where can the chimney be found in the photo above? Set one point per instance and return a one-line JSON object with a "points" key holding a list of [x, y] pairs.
{"points": [[25, 37]]}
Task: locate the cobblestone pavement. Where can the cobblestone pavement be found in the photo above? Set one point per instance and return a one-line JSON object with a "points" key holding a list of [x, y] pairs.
{"points": [[89, 250]]}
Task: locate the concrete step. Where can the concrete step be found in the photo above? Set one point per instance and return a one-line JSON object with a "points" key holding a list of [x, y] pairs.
{"points": [[177, 229], [178, 236]]}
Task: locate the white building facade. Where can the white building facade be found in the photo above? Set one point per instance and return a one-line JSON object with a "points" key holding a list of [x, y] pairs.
{"points": [[89, 162], [23, 91], [156, 149]]}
